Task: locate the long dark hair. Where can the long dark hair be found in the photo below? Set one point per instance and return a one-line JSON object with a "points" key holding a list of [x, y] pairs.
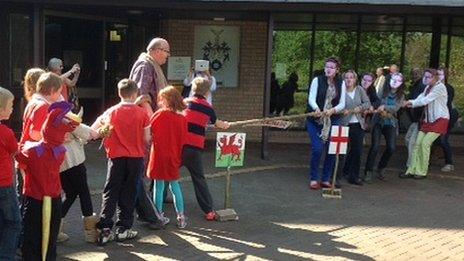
{"points": [[371, 89], [399, 91]]}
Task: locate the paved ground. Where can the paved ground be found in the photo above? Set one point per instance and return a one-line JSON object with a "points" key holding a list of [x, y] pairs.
{"points": [[281, 219]]}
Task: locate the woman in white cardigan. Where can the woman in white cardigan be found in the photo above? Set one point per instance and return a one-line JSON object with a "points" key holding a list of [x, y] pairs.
{"points": [[435, 123]]}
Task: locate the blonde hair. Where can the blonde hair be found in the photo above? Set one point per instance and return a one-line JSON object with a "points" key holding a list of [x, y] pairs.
{"points": [[5, 96], [48, 83], [173, 99], [30, 82], [127, 88], [201, 86]]}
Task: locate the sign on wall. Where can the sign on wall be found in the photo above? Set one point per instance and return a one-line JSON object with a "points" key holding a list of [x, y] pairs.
{"points": [[178, 67], [220, 45]]}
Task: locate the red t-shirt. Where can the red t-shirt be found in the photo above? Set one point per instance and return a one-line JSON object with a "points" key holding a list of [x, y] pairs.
{"points": [[8, 147], [42, 170], [169, 131], [34, 117], [127, 137]]}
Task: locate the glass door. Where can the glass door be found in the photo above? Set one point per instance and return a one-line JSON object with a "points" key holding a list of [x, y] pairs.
{"points": [[76, 40]]}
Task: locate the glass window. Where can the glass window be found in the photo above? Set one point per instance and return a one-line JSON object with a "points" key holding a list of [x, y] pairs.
{"points": [[291, 55], [456, 77], [20, 47]]}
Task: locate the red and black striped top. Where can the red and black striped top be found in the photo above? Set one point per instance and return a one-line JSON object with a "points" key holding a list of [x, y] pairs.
{"points": [[198, 114]]}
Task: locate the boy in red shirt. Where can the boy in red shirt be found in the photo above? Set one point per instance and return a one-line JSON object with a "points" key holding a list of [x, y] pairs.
{"points": [[41, 162], [10, 220], [129, 129], [198, 114]]}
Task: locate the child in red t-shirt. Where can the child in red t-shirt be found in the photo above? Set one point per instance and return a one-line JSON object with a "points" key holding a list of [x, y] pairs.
{"points": [[10, 220], [41, 162], [128, 127], [169, 131], [47, 90]]}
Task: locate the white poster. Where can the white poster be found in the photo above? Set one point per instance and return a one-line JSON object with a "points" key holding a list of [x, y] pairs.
{"points": [[179, 67], [220, 45]]}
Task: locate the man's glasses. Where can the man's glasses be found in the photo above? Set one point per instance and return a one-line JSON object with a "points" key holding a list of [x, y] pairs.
{"points": [[164, 50]]}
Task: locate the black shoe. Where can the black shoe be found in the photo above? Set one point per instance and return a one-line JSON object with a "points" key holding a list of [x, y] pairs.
{"points": [[406, 176], [338, 184], [381, 175], [419, 177], [356, 182]]}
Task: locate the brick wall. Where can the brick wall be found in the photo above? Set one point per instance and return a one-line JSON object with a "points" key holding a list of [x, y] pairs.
{"points": [[231, 104]]}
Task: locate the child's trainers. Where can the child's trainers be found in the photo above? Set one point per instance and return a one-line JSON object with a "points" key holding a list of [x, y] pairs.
{"points": [[105, 235], [164, 220], [123, 234], [210, 216], [181, 221]]}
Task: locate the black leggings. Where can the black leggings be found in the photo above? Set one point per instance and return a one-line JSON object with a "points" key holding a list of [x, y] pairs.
{"points": [[74, 183], [389, 132]]}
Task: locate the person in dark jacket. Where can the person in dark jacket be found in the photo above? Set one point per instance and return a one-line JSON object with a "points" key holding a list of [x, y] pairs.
{"points": [[414, 114], [286, 99]]}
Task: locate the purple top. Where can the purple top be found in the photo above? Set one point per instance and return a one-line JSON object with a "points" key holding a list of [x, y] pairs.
{"points": [[144, 75]]}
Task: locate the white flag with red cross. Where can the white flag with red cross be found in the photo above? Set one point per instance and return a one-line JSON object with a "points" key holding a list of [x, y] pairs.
{"points": [[338, 139]]}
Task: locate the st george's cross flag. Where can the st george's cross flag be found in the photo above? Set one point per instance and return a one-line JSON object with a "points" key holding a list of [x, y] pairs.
{"points": [[338, 139]]}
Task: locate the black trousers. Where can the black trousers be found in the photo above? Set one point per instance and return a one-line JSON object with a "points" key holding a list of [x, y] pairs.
{"points": [[353, 156], [32, 238], [389, 132], [191, 159], [144, 205], [120, 191], [74, 183]]}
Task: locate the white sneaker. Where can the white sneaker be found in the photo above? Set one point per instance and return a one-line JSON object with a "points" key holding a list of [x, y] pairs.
{"points": [[164, 220], [447, 168], [181, 221], [125, 234]]}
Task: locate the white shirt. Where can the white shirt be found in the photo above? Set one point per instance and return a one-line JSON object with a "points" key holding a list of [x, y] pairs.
{"points": [[353, 118], [75, 154], [313, 94], [436, 102], [188, 82]]}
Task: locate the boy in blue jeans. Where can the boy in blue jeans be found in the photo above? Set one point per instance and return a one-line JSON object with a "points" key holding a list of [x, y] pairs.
{"points": [[10, 219]]}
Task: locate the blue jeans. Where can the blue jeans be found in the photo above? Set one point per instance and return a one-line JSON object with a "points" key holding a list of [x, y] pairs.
{"points": [[318, 147], [10, 223]]}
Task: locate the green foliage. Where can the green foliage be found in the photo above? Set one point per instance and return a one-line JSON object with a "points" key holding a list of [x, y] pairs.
{"points": [[377, 49]]}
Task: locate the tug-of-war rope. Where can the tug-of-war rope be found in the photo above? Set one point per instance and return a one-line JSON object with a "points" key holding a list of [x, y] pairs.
{"points": [[284, 122]]}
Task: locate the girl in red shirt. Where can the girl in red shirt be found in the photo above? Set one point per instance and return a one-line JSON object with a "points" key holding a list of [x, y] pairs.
{"points": [[168, 130]]}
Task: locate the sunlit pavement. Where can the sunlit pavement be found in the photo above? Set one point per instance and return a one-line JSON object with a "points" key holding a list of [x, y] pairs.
{"points": [[281, 219]]}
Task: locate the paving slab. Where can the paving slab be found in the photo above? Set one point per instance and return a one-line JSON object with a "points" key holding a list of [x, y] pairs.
{"points": [[281, 219]]}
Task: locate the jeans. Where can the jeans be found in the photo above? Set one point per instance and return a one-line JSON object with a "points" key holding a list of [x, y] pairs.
{"points": [[318, 147], [445, 145], [10, 223], [353, 157], [389, 132]]}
